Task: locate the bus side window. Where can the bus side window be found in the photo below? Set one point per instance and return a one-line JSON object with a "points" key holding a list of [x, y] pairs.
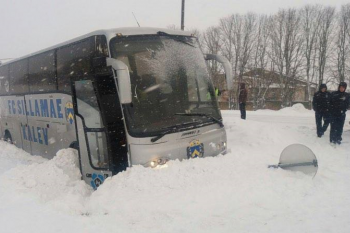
{"points": [[87, 103], [19, 77], [74, 61], [101, 51], [101, 47], [42, 72], [4, 83]]}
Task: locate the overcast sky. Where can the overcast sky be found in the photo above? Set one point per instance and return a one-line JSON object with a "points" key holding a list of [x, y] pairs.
{"points": [[30, 25]]}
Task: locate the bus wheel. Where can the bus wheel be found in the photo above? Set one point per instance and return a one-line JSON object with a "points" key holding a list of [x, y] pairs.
{"points": [[8, 137]]}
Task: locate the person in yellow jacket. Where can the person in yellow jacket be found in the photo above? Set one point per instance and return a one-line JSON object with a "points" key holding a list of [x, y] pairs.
{"points": [[216, 94]]}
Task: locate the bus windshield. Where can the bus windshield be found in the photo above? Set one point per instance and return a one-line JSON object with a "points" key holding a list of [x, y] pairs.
{"points": [[170, 83]]}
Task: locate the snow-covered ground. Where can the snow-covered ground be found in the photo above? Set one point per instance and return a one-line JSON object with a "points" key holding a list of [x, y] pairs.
{"points": [[231, 193]]}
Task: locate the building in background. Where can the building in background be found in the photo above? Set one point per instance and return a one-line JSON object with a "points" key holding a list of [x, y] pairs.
{"points": [[265, 90]]}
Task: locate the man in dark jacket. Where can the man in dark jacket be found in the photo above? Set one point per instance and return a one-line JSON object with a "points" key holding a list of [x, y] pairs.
{"points": [[339, 104], [243, 94], [321, 105]]}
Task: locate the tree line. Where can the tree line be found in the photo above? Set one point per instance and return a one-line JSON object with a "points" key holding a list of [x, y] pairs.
{"points": [[310, 43]]}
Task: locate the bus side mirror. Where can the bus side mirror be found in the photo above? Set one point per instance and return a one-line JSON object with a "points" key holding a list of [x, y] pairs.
{"points": [[227, 68], [123, 79]]}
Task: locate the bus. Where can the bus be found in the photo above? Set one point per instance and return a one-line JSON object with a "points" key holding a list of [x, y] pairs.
{"points": [[121, 97]]}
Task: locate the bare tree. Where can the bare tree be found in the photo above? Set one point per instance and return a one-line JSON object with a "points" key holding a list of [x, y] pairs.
{"points": [[247, 45], [310, 44], [211, 43], [229, 27], [226, 28], [342, 42], [247, 42], [238, 40], [260, 81], [326, 28], [286, 51], [310, 16]]}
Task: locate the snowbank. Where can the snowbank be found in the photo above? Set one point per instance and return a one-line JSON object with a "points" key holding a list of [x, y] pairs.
{"points": [[231, 193], [11, 157], [296, 108], [56, 182]]}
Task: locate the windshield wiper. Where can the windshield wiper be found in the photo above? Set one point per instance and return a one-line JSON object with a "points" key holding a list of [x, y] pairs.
{"points": [[172, 129], [175, 38], [203, 115]]}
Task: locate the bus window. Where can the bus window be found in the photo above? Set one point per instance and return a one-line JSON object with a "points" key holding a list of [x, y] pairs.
{"points": [[98, 149], [87, 103], [4, 83], [42, 72], [192, 89], [109, 100], [73, 61], [19, 77], [101, 46]]}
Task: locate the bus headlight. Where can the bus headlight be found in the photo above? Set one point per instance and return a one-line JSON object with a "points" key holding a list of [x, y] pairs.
{"points": [[221, 146], [157, 163], [224, 148]]}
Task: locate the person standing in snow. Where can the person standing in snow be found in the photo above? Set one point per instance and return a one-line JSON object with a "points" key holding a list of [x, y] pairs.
{"points": [[321, 105], [243, 94], [339, 104]]}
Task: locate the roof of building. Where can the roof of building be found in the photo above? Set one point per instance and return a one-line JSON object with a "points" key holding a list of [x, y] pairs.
{"points": [[273, 74]]}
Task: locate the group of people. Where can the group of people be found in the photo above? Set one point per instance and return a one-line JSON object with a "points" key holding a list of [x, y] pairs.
{"points": [[330, 108]]}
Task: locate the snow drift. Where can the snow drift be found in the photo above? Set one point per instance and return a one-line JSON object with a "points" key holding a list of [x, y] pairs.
{"points": [[231, 193]]}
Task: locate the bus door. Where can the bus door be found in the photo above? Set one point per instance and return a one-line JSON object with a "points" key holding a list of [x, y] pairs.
{"points": [[91, 134], [113, 119]]}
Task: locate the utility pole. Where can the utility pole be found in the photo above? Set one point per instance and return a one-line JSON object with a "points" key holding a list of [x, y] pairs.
{"points": [[183, 15]]}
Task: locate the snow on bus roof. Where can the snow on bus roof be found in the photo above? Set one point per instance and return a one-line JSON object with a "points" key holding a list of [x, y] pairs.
{"points": [[109, 33]]}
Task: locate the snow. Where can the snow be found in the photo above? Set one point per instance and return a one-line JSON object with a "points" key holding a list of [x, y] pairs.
{"points": [[295, 110], [231, 193]]}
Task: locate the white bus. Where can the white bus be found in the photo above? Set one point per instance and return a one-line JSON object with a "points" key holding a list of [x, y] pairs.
{"points": [[121, 97]]}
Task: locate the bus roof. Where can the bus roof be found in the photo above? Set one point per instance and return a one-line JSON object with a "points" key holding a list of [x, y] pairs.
{"points": [[109, 33]]}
